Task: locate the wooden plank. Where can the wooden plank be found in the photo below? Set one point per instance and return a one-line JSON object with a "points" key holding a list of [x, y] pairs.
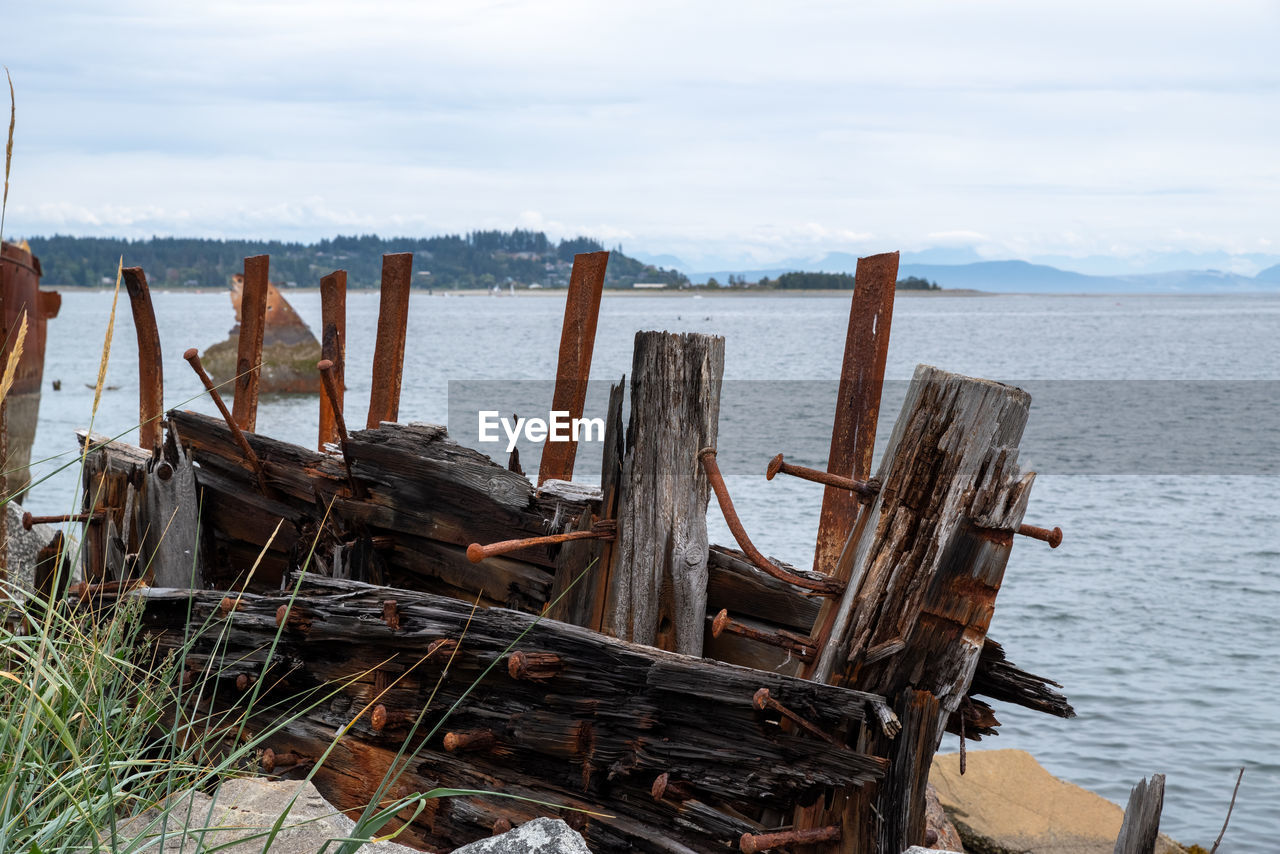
{"points": [[253, 324], [658, 589], [573, 370], [388, 350], [333, 346], [150, 360], [853, 432], [1141, 826]]}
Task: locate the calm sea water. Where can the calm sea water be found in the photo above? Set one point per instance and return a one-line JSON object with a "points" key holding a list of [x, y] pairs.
{"points": [[1160, 614]]}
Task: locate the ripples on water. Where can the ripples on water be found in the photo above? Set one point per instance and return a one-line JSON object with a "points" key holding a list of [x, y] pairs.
{"points": [[1159, 614]]}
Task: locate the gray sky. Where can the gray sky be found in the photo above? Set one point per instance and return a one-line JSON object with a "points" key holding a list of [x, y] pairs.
{"points": [[727, 134]]}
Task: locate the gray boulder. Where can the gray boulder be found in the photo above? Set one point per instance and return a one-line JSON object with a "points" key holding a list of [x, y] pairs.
{"points": [[24, 546], [540, 836]]}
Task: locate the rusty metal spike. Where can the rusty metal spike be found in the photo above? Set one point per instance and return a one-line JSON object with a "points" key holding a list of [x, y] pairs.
{"points": [[253, 323], [193, 358], [333, 345], [753, 843], [150, 361], [605, 529], [388, 350], [573, 370]]}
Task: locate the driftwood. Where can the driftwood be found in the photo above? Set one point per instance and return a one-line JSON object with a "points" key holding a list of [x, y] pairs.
{"points": [[659, 597], [1141, 824], [575, 716]]}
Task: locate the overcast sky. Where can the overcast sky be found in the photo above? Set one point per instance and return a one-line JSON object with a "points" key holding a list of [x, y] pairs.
{"points": [[727, 134]]}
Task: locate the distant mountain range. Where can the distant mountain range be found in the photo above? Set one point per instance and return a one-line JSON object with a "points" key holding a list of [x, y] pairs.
{"points": [[1024, 277]]}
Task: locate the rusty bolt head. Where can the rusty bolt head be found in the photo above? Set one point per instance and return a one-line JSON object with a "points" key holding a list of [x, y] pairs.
{"points": [[282, 614], [227, 605], [244, 682], [720, 623], [475, 553], [378, 720], [391, 614], [1055, 538], [501, 826], [324, 365], [775, 466], [27, 521], [761, 699], [164, 471], [191, 353]]}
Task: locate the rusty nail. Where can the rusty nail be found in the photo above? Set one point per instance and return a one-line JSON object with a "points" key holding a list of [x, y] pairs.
{"points": [[193, 357], [1052, 537], [28, 520], [604, 529], [244, 682], [282, 614], [664, 788], [378, 720], [864, 488], [391, 614], [325, 367], [764, 700], [751, 843], [501, 826], [272, 760], [480, 739], [534, 666], [723, 623], [824, 586], [288, 618]]}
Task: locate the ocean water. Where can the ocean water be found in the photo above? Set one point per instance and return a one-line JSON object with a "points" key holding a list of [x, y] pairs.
{"points": [[1160, 613]]}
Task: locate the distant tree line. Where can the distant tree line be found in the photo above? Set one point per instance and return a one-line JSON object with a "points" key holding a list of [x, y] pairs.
{"points": [[480, 259], [837, 282]]}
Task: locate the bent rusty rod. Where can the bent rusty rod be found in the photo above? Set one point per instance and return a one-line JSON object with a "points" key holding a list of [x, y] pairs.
{"points": [[864, 488], [150, 361], [193, 358], [824, 586], [325, 366], [605, 529]]}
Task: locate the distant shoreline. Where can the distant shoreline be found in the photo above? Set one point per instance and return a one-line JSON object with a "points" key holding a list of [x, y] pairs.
{"points": [[732, 293]]}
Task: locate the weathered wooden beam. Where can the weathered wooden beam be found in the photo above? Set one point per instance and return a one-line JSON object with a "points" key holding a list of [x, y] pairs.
{"points": [[658, 593], [573, 370], [333, 347], [253, 324], [596, 730], [150, 360], [1141, 825], [388, 349]]}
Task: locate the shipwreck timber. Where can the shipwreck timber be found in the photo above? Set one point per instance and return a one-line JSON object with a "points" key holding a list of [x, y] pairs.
{"points": [[353, 573]]}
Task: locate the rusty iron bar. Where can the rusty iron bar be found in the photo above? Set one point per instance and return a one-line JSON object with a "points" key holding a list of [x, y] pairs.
{"points": [[388, 349], [573, 370], [604, 529], [333, 347], [866, 489], [253, 324], [28, 520], [1052, 537], [753, 843], [724, 623], [330, 383], [193, 358], [824, 586], [853, 432], [150, 361], [481, 739], [764, 700]]}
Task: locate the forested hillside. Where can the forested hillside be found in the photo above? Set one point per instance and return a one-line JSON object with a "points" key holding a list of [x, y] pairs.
{"points": [[481, 259]]}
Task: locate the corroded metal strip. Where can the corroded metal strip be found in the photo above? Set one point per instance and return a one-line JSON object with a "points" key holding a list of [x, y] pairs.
{"points": [[577, 340], [150, 362], [388, 351], [253, 323], [333, 346], [853, 435]]}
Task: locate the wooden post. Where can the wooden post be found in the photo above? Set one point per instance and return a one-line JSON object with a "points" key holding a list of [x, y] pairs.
{"points": [[253, 323], [662, 529], [150, 360], [577, 340], [925, 562], [1141, 824], [333, 346], [388, 351]]}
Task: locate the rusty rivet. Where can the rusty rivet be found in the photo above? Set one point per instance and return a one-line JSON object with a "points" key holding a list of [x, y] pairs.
{"points": [[244, 682], [227, 605], [534, 666], [666, 788], [501, 826], [282, 614], [391, 614], [480, 739], [443, 646], [751, 843], [378, 720], [272, 760]]}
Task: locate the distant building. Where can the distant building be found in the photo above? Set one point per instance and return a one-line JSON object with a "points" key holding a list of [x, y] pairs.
{"points": [[650, 286]]}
